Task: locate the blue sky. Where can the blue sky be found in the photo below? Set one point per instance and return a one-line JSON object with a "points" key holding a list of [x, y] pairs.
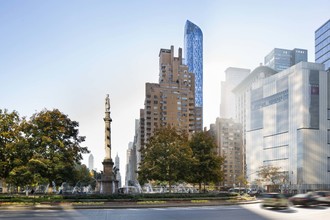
{"points": [[68, 54]]}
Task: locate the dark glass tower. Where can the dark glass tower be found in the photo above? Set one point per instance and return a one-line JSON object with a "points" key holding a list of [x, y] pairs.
{"points": [[322, 45], [193, 49], [281, 59]]}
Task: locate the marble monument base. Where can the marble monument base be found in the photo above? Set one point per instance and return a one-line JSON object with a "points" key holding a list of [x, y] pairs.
{"points": [[109, 184]]}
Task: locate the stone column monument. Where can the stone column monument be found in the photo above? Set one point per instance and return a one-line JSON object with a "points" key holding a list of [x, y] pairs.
{"points": [[107, 131], [109, 184]]}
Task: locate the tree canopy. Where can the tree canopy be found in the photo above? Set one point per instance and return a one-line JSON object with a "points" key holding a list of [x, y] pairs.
{"points": [[44, 148], [207, 164], [56, 143], [170, 156], [272, 174], [9, 136], [166, 157]]}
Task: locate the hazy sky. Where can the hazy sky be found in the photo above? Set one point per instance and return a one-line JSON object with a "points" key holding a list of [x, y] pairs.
{"points": [[69, 54]]}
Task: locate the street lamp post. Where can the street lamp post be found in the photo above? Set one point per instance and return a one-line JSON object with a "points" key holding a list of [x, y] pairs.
{"points": [[234, 180], [247, 175]]}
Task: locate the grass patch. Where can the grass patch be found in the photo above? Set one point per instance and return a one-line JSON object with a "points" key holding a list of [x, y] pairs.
{"points": [[241, 198], [18, 203], [150, 202], [200, 201], [86, 203]]}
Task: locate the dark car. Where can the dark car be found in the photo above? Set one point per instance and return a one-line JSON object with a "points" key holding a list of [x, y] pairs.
{"points": [[306, 199], [254, 192], [323, 196]]}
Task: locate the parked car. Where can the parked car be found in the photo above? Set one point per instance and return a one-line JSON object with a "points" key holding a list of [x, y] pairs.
{"points": [[306, 199], [239, 190], [255, 192], [275, 200]]}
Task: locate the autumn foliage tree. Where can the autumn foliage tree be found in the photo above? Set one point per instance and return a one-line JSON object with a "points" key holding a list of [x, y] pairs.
{"points": [[272, 174]]}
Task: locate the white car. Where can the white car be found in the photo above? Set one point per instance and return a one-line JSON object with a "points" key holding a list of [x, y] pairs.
{"points": [[274, 200]]}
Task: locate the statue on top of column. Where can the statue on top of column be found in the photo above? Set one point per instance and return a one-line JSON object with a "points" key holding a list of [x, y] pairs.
{"points": [[107, 103]]}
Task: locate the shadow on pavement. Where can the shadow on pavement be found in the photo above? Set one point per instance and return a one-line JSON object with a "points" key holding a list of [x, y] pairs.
{"points": [[311, 207], [287, 210]]}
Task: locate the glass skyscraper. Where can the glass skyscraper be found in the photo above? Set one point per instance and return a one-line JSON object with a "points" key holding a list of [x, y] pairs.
{"points": [[281, 59], [193, 49], [322, 45]]}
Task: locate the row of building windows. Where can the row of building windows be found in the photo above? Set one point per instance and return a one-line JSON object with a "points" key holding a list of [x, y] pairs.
{"points": [[323, 58], [323, 50], [322, 44], [321, 36], [324, 27]]}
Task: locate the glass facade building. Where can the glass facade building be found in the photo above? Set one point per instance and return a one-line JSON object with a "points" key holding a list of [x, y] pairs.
{"points": [[287, 126], [322, 45], [281, 59], [193, 49]]}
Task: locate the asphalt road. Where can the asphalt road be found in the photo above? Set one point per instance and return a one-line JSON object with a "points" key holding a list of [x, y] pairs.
{"points": [[236, 212]]}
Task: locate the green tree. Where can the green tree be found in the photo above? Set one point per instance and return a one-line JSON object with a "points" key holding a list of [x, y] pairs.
{"points": [[207, 165], [29, 174], [53, 140], [242, 180], [166, 157], [9, 137], [81, 175]]}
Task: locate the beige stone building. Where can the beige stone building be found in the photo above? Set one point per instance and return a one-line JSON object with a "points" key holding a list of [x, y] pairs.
{"points": [[229, 141], [172, 100], [169, 102]]}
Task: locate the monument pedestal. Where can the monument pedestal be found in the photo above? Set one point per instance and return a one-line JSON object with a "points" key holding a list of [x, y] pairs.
{"points": [[109, 184]]}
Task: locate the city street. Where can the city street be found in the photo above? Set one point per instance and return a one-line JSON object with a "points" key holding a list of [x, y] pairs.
{"points": [[245, 212]]}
